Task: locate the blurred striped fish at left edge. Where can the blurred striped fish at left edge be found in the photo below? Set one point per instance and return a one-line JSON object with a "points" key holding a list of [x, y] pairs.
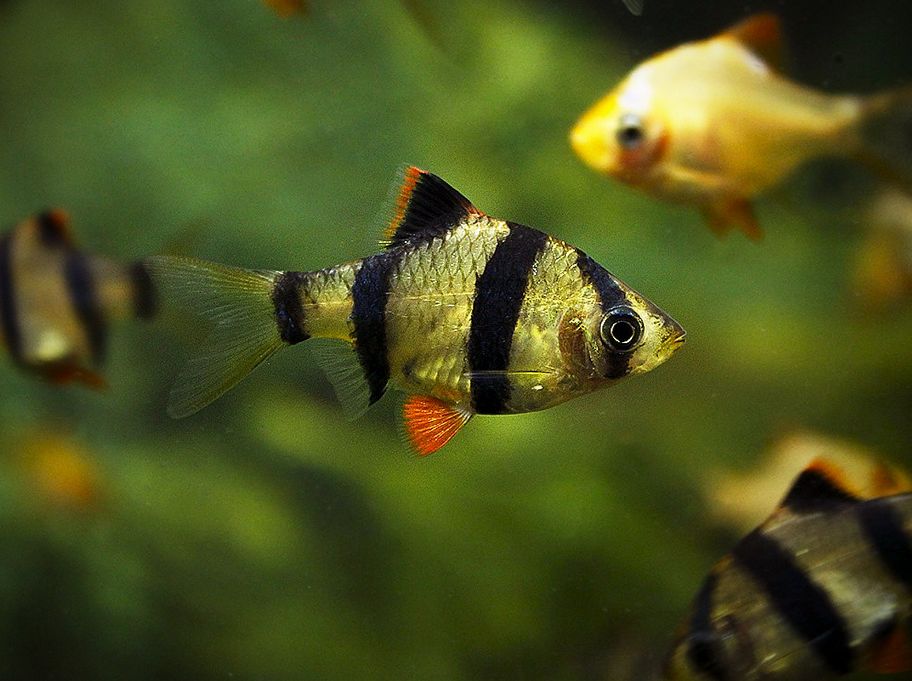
{"points": [[57, 302], [821, 589]]}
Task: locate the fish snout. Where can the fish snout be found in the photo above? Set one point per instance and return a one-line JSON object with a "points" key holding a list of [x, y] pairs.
{"points": [[588, 141]]}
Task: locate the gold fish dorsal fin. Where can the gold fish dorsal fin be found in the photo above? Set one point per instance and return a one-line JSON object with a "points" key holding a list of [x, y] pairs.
{"points": [[431, 423], [52, 228], [819, 487], [762, 35], [425, 206]]}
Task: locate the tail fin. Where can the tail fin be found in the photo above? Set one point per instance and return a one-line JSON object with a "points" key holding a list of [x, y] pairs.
{"points": [[886, 137], [239, 304]]}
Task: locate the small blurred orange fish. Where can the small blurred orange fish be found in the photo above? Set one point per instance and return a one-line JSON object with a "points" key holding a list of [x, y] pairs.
{"points": [[288, 8], [713, 124], [60, 472], [882, 276], [56, 301]]}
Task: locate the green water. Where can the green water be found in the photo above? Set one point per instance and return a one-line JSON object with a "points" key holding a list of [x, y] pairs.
{"points": [[267, 537]]}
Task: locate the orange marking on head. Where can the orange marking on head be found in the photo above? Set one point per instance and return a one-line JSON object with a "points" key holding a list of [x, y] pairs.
{"points": [[431, 423], [409, 181], [633, 163]]}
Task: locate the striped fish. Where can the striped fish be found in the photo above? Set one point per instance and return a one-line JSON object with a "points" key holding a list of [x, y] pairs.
{"points": [[467, 313], [821, 589], [56, 301]]}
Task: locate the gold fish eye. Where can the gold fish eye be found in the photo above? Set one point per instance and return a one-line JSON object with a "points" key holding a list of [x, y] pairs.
{"points": [[630, 131], [621, 329]]}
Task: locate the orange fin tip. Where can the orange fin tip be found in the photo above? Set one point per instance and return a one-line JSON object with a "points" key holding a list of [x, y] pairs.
{"points": [[53, 228], [431, 423], [762, 35], [891, 654], [821, 485]]}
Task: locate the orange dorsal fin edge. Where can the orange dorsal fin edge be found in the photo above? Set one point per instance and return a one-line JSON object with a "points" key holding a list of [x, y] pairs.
{"points": [[762, 35], [52, 228], [820, 486], [425, 206], [431, 423]]}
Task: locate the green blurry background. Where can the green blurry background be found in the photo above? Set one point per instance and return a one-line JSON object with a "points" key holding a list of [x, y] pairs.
{"points": [[268, 538]]}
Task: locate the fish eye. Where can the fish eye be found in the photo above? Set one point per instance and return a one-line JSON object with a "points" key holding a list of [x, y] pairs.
{"points": [[621, 329], [630, 131]]}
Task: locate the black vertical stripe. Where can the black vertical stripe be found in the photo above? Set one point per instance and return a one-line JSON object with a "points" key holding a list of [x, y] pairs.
{"points": [[84, 298], [883, 530], [499, 293], [369, 296], [8, 315], [703, 642], [801, 602], [288, 310], [610, 295], [145, 298]]}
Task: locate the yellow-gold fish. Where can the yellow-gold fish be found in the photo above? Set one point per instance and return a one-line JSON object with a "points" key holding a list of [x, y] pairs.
{"points": [[821, 589], [467, 313], [56, 301], [713, 124]]}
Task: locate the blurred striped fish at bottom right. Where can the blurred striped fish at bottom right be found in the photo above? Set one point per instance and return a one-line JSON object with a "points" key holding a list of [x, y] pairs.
{"points": [[821, 589]]}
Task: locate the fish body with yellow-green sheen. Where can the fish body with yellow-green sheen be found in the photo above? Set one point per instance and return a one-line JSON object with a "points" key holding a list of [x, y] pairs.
{"points": [[473, 314]]}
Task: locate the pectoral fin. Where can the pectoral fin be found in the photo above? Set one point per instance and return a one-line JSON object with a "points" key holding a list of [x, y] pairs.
{"points": [[431, 423], [724, 214]]}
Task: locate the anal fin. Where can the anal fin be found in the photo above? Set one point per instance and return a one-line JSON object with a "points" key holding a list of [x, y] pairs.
{"points": [[431, 423], [723, 215]]}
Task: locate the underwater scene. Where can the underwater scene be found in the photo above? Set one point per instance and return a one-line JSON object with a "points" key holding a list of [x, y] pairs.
{"points": [[605, 310]]}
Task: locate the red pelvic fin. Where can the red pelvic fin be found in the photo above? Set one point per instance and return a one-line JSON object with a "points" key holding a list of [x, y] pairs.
{"points": [[431, 423]]}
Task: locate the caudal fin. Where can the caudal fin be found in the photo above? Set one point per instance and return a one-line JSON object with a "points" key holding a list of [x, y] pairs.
{"points": [[886, 137], [238, 303]]}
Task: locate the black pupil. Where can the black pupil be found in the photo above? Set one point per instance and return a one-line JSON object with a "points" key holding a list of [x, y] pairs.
{"points": [[630, 135], [622, 331]]}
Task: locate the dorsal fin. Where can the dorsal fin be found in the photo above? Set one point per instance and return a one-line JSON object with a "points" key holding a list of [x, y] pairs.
{"points": [[425, 207], [53, 228], [819, 487], [762, 35]]}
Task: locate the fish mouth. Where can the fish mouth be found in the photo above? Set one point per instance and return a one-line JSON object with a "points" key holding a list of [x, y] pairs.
{"points": [[677, 337], [586, 140]]}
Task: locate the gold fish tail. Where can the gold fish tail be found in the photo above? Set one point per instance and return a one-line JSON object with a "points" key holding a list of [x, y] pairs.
{"points": [[243, 307], [885, 136]]}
